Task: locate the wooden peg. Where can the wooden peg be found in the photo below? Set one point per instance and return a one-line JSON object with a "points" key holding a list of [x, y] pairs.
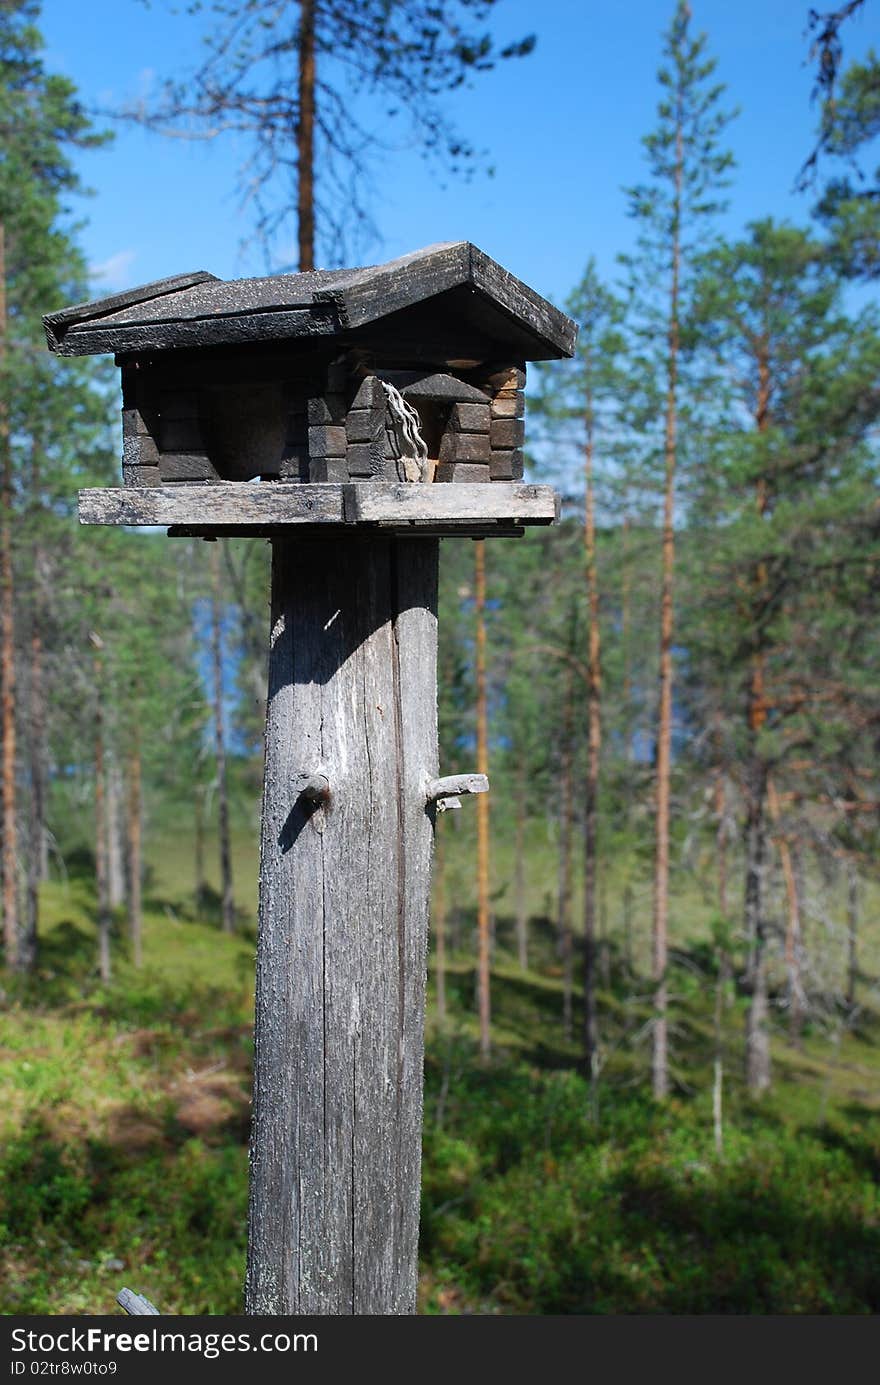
{"points": [[455, 784], [315, 787]]}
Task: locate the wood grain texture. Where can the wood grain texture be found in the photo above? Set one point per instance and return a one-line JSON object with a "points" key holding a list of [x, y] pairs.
{"points": [[493, 500], [336, 1141], [237, 505], [227, 504]]}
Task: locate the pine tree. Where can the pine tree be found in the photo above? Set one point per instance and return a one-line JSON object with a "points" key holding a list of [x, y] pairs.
{"points": [[581, 406], [674, 210], [781, 516], [40, 120], [287, 78]]}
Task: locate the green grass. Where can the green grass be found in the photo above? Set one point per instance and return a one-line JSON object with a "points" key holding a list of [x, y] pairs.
{"points": [[125, 1112]]}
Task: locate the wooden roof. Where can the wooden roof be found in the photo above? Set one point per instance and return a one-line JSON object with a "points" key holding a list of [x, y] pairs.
{"points": [[455, 286]]}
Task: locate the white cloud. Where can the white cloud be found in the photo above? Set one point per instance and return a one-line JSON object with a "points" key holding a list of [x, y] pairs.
{"points": [[114, 272]]}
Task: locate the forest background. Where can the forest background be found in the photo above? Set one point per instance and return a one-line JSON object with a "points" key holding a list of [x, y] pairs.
{"points": [[652, 1059]]}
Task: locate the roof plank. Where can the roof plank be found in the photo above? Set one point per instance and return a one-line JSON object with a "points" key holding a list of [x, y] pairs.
{"points": [[56, 324], [449, 283]]}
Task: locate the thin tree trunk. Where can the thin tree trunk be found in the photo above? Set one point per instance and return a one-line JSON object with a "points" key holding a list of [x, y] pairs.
{"points": [[101, 884], [228, 904], [483, 993], [566, 823], [757, 1017], [793, 924], [757, 1035], [115, 836], [627, 926], [440, 925], [718, 1065], [36, 862], [852, 934], [625, 622], [305, 137], [721, 842], [594, 746], [200, 849], [7, 660], [134, 833], [519, 869], [603, 950], [660, 931]]}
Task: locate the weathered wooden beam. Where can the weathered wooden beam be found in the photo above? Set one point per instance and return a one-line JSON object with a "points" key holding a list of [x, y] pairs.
{"points": [[91, 338], [56, 324], [226, 504], [239, 505], [393, 503], [341, 958], [463, 529]]}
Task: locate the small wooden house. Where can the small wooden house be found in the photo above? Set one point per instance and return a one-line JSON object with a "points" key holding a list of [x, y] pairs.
{"points": [[411, 371]]}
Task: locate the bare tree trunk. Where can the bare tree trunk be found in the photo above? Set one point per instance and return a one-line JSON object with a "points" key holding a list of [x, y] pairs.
{"points": [[792, 926], [625, 621], [440, 924], [627, 926], [7, 660], [721, 840], [660, 1060], [519, 869], [482, 803], [566, 824], [103, 901], [852, 934], [115, 836], [305, 137], [36, 829], [594, 746], [757, 1035], [718, 1065], [134, 833], [228, 905], [200, 849]]}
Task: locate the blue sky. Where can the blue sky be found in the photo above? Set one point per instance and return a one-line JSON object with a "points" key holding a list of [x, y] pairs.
{"points": [[562, 127]]}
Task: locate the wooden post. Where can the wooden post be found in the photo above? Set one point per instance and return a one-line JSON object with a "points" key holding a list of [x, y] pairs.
{"points": [[344, 896]]}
